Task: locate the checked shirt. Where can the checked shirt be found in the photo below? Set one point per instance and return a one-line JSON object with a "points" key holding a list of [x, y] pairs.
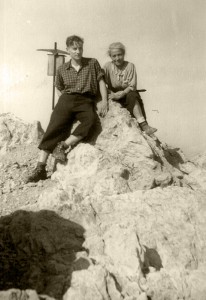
{"points": [[68, 80]]}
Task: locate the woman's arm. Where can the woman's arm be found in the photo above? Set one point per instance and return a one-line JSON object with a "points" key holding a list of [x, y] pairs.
{"points": [[129, 84], [117, 96]]}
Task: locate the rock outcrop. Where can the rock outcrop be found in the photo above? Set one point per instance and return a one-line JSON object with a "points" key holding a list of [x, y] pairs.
{"points": [[141, 205], [200, 160], [13, 132]]}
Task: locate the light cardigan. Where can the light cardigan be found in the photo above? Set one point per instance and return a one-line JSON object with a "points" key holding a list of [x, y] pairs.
{"points": [[119, 80]]}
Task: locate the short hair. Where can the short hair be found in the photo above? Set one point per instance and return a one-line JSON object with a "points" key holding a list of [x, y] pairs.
{"points": [[116, 45], [74, 39]]}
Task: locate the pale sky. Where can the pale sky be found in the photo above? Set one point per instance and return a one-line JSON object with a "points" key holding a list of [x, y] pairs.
{"points": [[166, 40]]}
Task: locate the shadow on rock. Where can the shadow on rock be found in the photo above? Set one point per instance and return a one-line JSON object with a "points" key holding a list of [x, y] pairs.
{"points": [[161, 153], [37, 251], [173, 157], [151, 259]]}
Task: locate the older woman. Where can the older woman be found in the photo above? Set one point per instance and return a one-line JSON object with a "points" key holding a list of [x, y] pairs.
{"points": [[121, 79]]}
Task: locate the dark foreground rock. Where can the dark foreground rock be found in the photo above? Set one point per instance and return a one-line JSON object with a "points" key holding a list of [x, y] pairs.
{"points": [[38, 251]]}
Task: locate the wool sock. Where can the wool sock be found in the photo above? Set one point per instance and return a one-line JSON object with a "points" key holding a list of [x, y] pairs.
{"points": [[143, 125], [65, 145]]}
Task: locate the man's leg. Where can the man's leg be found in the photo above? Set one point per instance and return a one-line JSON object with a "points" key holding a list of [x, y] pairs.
{"points": [[39, 173], [43, 156], [61, 119], [60, 149], [72, 140], [95, 130], [134, 107], [84, 113], [57, 131]]}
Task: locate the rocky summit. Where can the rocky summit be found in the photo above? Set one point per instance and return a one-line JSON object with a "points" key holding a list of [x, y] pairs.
{"points": [[13, 132], [123, 218]]}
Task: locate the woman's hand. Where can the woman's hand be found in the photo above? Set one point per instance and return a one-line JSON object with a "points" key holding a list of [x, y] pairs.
{"points": [[116, 96], [125, 84]]}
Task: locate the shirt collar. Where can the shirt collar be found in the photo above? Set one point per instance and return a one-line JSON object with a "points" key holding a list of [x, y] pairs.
{"points": [[69, 63], [118, 71]]}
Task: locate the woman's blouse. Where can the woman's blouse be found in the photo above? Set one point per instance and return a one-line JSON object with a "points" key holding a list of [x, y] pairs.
{"points": [[118, 80]]}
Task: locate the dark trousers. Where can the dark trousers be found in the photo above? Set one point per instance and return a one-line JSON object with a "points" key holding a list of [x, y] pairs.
{"points": [[68, 108], [129, 102]]}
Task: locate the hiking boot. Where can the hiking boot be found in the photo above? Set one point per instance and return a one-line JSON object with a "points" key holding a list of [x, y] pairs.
{"points": [[59, 152], [150, 130], [147, 129], [39, 173]]}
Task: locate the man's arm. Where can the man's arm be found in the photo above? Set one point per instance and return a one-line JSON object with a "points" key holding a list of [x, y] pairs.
{"points": [[58, 92], [59, 83], [103, 104]]}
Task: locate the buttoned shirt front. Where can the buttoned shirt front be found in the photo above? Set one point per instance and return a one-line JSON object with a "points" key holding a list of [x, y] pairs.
{"points": [[120, 79], [85, 80]]}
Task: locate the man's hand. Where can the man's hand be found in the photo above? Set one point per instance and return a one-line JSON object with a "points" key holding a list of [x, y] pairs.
{"points": [[102, 108]]}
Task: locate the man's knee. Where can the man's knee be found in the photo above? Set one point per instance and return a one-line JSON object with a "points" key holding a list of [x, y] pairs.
{"points": [[90, 119], [86, 122]]}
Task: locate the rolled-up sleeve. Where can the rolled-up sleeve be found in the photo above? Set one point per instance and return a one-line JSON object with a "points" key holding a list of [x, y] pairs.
{"points": [[98, 70], [59, 83], [106, 72]]}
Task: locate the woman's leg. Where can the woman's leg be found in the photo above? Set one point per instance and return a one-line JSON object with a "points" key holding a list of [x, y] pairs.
{"points": [[133, 104], [137, 112]]}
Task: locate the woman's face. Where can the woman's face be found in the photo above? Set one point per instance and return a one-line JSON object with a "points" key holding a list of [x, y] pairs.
{"points": [[117, 57]]}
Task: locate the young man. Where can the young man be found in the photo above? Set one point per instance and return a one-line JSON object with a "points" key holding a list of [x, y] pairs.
{"points": [[78, 82]]}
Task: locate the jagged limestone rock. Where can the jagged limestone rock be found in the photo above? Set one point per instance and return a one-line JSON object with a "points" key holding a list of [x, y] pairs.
{"points": [[144, 221], [122, 160], [13, 132], [200, 160], [158, 233], [134, 229], [197, 179]]}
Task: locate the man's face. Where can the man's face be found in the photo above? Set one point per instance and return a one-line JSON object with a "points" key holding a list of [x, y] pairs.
{"points": [[75, 51]]}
